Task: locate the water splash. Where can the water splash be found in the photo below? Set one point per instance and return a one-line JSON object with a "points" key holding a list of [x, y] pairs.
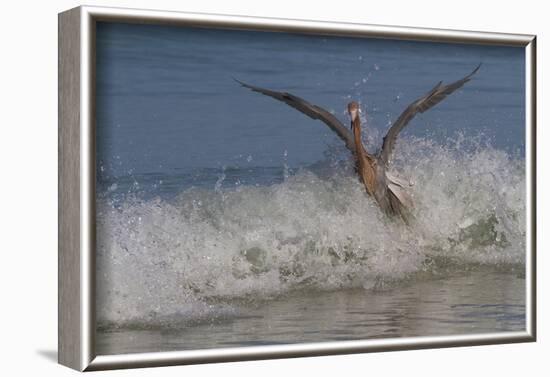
{"points": [[187, 258], [219, 182]]}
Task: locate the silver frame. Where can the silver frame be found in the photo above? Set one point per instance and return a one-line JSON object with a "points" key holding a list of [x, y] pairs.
{"points": [[77, 187]]}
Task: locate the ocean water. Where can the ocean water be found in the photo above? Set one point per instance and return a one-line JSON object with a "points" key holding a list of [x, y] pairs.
{"points": [[226, 218]]}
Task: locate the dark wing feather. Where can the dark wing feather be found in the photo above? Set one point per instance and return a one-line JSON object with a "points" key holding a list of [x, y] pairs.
{"points": [[313, 111], [432, 98]]}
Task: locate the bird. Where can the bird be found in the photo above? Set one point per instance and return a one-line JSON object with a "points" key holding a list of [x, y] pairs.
{"points": [[388, 190]]}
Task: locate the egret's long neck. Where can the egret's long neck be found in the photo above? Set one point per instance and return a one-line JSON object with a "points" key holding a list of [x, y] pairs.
{"points": [[365, 162], [360, 150]]}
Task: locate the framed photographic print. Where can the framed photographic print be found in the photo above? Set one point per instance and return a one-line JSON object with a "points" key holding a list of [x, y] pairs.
{"points": [[236, 188]]}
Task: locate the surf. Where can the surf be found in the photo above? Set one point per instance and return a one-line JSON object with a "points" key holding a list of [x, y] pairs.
{"points": [[189, 256]]}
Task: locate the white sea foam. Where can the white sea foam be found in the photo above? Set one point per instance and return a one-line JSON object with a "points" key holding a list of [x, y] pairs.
{"points": [[186, 259]]}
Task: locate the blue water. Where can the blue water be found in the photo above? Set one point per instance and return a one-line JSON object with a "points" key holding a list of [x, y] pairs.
{"points": [[232, 219], [167, 103]]}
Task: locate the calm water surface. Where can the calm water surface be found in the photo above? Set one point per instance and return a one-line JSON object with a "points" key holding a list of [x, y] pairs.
{"points": [[452, 305]]}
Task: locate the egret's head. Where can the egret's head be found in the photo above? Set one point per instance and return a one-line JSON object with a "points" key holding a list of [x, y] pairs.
{"points": [[353, 110]]}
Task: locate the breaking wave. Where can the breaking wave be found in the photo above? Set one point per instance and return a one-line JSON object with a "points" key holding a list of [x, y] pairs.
{"points": [[190, 257]]}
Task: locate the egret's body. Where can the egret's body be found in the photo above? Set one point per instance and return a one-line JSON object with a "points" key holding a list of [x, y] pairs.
{"points": [[373, 175]]}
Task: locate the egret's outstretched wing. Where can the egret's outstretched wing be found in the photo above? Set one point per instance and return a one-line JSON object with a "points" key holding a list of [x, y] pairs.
{"points": [[432, 98], [313, 111]]}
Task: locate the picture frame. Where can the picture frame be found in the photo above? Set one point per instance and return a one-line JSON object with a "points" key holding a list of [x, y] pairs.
{"points": [[77, 187]]}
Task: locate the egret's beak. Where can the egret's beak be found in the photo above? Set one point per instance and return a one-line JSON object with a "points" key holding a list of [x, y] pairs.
{"points": [[353, 113]]}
